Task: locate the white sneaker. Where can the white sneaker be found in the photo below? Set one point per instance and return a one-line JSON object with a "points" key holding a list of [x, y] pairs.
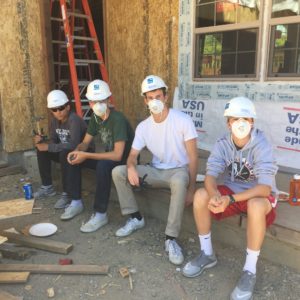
{"points": [[71, 211], [131, 225], [94, 223], [175, 252], [63, 201], [44, 192]]}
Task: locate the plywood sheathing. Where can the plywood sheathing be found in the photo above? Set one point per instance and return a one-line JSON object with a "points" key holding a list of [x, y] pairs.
{"points": [[23, 83], [141, 39]]}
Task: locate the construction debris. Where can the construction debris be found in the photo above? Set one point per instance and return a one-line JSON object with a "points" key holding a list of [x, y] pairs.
{"points": [[15, 208], [124, 272], [34, 242], [50, 292], [14, 277], [56, 269]]}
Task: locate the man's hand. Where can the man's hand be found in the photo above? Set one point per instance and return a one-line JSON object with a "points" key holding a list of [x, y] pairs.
{"points": [[218, 204], [37, 139], [76, 157], [189, 198], [133, 176], [42, 146]]}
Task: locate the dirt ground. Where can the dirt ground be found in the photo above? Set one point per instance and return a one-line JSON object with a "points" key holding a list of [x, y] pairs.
{"points": [[153, 276]]}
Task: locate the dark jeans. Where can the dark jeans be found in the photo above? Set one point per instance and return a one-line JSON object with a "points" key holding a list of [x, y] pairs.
{"points": [[44, 162], [103, 181]]}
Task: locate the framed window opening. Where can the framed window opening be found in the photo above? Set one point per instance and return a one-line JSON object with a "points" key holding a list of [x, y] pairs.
{"points": [[227, 38], [284, 50]]}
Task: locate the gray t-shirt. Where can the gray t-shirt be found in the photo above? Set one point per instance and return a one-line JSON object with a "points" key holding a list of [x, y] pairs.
{"points": [[66, 135]]}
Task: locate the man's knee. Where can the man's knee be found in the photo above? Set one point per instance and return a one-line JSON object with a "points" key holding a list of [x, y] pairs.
{"points": [[179, 182], [258, 206], [119, 172], [200, 199]]}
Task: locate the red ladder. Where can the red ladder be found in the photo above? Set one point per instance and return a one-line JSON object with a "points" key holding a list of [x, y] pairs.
{"points": [[71, 17]]}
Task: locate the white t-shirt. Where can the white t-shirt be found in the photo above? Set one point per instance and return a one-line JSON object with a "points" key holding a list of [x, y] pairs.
{"points": [[165, 140]]}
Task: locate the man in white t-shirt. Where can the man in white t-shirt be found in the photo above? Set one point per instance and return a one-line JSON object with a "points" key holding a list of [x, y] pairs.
{"points": [[170, 136]]}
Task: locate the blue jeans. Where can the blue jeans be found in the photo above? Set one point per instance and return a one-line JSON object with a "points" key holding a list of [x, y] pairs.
{"points": [[103, 181]]}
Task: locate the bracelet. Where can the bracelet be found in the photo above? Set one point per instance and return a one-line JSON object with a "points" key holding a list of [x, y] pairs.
{"points": [[231, 199]]}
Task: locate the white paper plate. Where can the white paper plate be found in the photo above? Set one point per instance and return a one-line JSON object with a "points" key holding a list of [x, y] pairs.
{"points": [[43, 229]]}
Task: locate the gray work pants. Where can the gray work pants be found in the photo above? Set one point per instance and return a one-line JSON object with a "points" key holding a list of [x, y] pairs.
{"points": [[176, 179]]}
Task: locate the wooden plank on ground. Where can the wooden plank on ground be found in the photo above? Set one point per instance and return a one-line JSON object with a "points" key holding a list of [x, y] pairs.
{"points": [[2, 239], [14, 253], [38, 243], [11, 170], [7, 296], [16, 207], [56, 269], [14, 277]]}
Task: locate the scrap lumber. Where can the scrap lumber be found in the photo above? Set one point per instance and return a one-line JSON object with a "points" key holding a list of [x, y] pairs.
{"points": [[13, 253], [38, 243], [14, 277], [56, 269], [2, 239], [11, 170], [15, 208], [7, 296]]}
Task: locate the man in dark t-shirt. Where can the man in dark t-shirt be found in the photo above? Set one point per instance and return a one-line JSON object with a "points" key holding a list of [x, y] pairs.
{"points": [[66, 132], [116, 135]]}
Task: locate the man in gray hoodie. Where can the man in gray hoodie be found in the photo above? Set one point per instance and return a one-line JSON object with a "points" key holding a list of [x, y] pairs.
{"points": [[244, 159]]}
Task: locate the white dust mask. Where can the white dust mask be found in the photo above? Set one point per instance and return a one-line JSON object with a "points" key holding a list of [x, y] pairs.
{"points": [[156, 106], [100, 109], [241, 128]]}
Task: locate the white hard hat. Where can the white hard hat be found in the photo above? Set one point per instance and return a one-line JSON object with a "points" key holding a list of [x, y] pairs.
{"points": [[98, 90], [240, 107], [56, 98], [151, 83]]}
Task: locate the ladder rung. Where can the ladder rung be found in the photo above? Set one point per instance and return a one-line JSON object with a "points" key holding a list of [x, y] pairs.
{"points": [[58, 42], [60, 63], [88, 61], [76, 28], [75, 46], [81, 100], [56, 19], [78, 15], [83, 38]]}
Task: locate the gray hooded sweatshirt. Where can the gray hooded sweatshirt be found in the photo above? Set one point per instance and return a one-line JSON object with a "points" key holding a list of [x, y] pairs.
{"points": [[252, 165]]}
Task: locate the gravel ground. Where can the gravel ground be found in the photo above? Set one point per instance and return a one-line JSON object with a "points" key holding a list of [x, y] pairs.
{"points": [[153, 276]]}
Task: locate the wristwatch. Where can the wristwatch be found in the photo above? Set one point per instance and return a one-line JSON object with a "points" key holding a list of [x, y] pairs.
{"points": [[231, 199]]}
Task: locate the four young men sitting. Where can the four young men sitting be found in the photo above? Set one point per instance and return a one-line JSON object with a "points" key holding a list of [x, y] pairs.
{"points": [[243, 158]]}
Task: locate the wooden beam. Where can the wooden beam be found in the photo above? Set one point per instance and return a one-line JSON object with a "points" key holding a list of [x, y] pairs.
{"points": [[11, 170], [8, 296], [55, 269], [38, 243], [13, 253], [14, 277]]}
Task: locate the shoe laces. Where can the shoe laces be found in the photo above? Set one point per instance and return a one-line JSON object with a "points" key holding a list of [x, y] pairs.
{"points": [[130, 223], [174, 248]]}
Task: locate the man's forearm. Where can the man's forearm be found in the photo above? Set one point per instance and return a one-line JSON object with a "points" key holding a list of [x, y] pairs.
{"points": [[82, 147]]}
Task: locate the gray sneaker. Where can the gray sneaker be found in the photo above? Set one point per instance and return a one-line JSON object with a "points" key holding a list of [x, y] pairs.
{"points": [[71, 211], [244, 288], [63, 201], [174, 251], [44, 192], [196, 266], [94, 224], [131, 225]]}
